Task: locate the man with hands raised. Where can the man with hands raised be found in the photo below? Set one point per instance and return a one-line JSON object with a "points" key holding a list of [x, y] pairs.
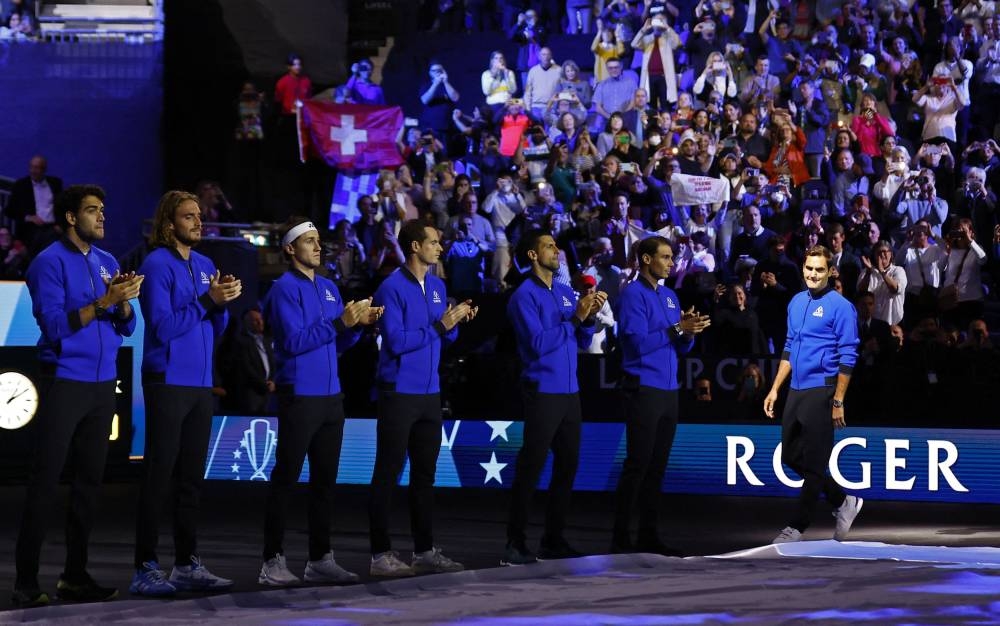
{"points": [[653, 331], [311, 326], [416, 322], [550, 327], [81, 304], [183, 304], [819, 356]]}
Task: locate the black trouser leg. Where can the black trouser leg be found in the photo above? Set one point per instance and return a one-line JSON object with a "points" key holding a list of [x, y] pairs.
{"points": [[65, 405], [89, 454], [172, 442], [544, 416], [658, 92], [806, 442], [651, 421], [397, 415], [565, 458], [324, 463], [424, 447]]}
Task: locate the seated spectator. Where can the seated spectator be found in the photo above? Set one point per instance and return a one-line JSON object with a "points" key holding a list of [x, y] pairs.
{"points": [[886, 281], [657, 41], [585, 155], [565, 105], [753, 240], [606, 140], [735, 326], [499, 84], [13, 256], [248, 368], [32, 206], [845, 264], [360, 86], [561, 175]]}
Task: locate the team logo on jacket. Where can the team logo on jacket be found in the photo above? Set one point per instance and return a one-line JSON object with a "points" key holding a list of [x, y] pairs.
{"points": [[329, 296], [105, 274], [818, 312], [437, 297], [670, 303], [566, 301], [205, 279]]}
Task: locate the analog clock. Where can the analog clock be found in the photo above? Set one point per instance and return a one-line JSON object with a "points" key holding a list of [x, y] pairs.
{"points": [[18, 400]]}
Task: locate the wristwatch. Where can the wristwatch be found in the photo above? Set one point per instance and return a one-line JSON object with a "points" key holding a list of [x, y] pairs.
{"points": [[676, 328], [838, 404], [99, 311]]}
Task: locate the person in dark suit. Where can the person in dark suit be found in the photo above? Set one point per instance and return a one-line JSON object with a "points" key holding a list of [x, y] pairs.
{"points": [[754, 241], [32, 205], [846, 263], [870, 328], [249, 379]]}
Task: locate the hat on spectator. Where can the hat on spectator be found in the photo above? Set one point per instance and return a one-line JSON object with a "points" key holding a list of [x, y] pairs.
{"points": [[867, 60], [588, 281], [687, 135]]}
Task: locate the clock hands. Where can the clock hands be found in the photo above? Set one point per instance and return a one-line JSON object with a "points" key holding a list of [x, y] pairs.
{"points": [[17, 395]]}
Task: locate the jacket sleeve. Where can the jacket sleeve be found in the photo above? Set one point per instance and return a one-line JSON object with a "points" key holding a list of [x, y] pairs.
{"points": [[523, 312], [124, 327], [346, 337], [633, 326], [397, 339], [46, 284], [292, 334], [162, 319], [846, 330]]}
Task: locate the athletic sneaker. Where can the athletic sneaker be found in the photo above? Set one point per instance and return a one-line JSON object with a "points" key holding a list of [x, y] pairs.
{"points": [[326, 570], [196, 577], [552, 548], [845, 516], [275, 573], [84, 590], [517, 553], [388, 564], [151, 581], [788, 535], [434, 562], [28, 597]]}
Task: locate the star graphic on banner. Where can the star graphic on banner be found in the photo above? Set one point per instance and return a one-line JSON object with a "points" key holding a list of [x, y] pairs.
{"points": [[499, 429], [236, 468], [243, 444], [237, 454], [493, 469]]}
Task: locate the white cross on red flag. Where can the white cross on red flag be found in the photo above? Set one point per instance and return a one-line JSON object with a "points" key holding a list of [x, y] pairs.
{"points": [[350, 136]]}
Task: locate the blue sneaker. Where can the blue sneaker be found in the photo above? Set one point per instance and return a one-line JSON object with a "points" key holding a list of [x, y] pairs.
{"points": [[151, 581]]}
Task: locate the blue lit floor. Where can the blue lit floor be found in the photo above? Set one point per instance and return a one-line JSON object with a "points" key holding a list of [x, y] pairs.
{"points": [[946, 574]]}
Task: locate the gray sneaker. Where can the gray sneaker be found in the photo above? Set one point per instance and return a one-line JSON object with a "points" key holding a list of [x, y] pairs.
{"points": [[196, 577], [434, 562], [275, 573], [388, 564], [845, 516], [788, 535], [326, 570]]}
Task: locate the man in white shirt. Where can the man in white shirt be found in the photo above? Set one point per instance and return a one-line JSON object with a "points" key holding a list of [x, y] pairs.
{"points": [[542, 84], [960, 70], [922, 261]]}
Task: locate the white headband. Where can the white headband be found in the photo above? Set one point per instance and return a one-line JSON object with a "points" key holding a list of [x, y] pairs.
{"points": [[297, 232]]}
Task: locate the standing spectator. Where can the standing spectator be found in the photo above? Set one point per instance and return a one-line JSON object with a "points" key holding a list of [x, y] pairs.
{"points": [[530, 36], [963, 275], [438, 98], [499, 84], [917, 199], [762, 87], [657, 41], [613, 94], [923, 263], [293, 88], [13, 256], [941, 101], [32, 205], [503, 206], [360, 86], [607, 45], [870, 127], [813, 117], [737, 327], [844, 264], [541, 84], [886, 281], [960, 71], [249, 368]]}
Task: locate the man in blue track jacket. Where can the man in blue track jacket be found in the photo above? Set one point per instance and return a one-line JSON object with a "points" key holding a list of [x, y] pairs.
{"points": [[550, 327], [183, 305], [819, 356], [311, 326], [417, 321], [653, 330], [81, 304]]}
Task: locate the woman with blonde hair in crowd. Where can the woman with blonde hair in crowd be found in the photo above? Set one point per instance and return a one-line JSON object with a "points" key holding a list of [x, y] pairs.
{"points": [[572, 81], [716, 76], [498, 82]]}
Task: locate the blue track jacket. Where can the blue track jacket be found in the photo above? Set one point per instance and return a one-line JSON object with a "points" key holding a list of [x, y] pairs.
{"points": [[549, 335], [646, 316], [304, 316], [412, 332], [62, 280], [822, 338], [182, 322]]}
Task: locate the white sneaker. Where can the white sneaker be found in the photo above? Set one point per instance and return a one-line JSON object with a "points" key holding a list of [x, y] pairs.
{"points": [[326, 570], [434, 562], [388, 564], [196, 577], [275, 573], [788, 535], [845, 516]]}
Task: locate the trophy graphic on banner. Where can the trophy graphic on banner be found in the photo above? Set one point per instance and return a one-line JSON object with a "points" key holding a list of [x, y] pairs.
{"points": [[259, 441]]}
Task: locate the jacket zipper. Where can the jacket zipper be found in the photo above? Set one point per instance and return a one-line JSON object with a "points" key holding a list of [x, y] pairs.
{"points": [[100, 338], [194, 285]]}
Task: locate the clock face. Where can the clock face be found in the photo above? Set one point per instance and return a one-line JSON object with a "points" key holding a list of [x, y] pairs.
{"points": [[18, 400]]}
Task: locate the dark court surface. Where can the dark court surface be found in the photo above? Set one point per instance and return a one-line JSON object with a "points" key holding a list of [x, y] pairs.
{"points": [[469, 528]]}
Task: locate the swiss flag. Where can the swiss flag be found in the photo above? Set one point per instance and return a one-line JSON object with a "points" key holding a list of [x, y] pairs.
{"points": [[350, 136]]}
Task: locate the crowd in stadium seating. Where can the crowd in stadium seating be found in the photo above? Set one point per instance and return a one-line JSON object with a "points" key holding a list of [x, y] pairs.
{"points": [[17, 21]]}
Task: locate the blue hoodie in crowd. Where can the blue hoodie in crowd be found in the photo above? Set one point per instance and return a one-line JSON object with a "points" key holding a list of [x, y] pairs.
{"points": [[646, 316], [182, 321], [549, 334], [822, 338], [304, 315], [62, 280], [412, 332]]}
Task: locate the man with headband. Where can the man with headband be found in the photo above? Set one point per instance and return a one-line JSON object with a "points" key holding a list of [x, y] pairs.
{"points": [[312, 326], [417, 321]]}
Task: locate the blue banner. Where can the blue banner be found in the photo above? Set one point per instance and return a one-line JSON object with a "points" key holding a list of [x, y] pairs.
{"points": [[737, 460]]}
